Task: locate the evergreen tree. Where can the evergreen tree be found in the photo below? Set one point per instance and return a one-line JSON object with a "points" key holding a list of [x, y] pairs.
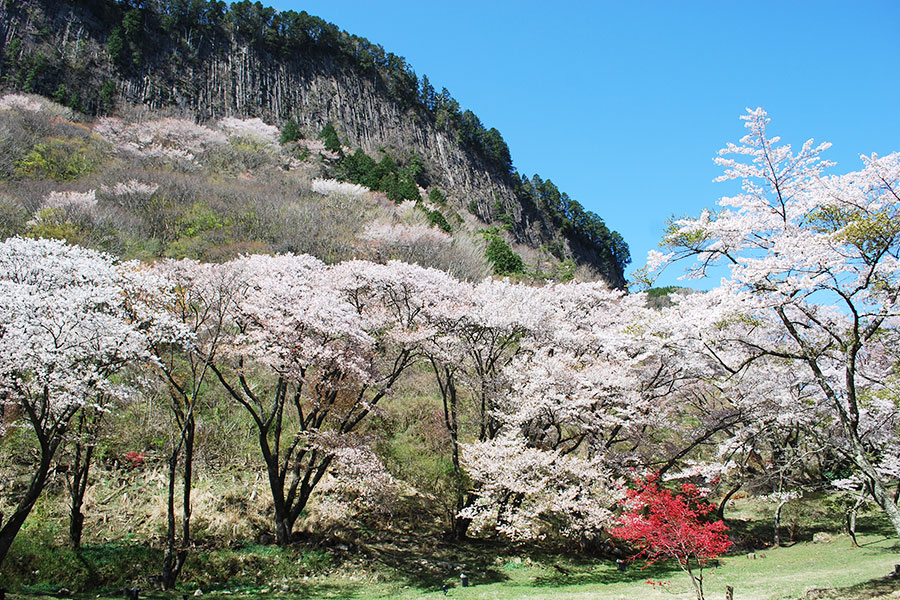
{"points": [[330, 137], [107, 96], [502, 258], [291, 132]]}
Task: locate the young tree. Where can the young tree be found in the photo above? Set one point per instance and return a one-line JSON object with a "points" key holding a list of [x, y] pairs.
{"points": [[182, 306], [63, 334], [330, 137], [815, 278], [671, 526]]}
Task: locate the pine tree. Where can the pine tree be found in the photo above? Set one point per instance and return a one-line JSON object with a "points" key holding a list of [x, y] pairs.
{"points": [[291, 132]]}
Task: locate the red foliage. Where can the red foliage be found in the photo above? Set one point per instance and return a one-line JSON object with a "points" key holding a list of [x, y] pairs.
{"points": [[135, 458], [667, 525]]}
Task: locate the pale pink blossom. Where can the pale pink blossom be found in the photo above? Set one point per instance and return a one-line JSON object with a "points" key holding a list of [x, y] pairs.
{"points": [[328, 187], [80, 202]]}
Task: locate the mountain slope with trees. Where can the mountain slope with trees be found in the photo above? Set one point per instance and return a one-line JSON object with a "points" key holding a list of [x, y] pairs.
{"points": [[207, 60]]}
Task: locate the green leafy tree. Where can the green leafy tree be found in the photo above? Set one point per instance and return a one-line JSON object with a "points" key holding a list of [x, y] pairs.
{"points": [[115, 45], [61, 94], [133, 24]]}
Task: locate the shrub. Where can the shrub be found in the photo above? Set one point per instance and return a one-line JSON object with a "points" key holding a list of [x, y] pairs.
{"points": [[437, 196], [502, 258], [437, 219], [62, 159]]}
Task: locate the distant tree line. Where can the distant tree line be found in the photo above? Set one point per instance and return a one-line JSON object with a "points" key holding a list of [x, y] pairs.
{"points": [[573, 220]]}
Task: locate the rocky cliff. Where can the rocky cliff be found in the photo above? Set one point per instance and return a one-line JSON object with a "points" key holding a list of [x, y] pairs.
{"points": [[70, 49]]}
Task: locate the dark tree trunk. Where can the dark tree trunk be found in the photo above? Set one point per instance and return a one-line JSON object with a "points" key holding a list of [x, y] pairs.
{"points": [[168, 569], [15, 521], [77, 480], [720, 511], [187, 481], [175, 552]]}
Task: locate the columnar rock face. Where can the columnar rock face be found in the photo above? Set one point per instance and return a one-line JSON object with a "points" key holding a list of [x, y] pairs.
{"points": [[224, 77]]}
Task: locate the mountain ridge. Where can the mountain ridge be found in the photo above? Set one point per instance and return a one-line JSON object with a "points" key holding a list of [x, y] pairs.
{"points": [[251, 61]]}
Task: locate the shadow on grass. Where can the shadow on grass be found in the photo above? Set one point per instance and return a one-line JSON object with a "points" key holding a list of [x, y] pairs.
{"points": [[428, 566], [606, 574], [892, 549], [882, 587]]}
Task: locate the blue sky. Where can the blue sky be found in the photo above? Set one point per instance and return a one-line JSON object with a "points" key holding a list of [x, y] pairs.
{"points": [[624, 104]]}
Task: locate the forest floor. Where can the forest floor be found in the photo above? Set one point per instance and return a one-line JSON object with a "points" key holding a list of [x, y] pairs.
{"points": [[410, 566]]}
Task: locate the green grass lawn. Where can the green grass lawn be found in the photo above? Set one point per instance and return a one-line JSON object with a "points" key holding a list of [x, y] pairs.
{"points": [[776, 573], [783, 573]]}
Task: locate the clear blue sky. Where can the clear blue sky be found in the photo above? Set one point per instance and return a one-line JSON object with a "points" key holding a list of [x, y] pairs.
{"points": [[623, 104]]}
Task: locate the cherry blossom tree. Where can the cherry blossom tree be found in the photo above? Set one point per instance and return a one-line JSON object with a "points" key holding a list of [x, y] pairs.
{"points": [[525, 492], [574, 406], [814, 279], [477, 335], [323, 344], [166, 140], [182, 308], [63, 332]]}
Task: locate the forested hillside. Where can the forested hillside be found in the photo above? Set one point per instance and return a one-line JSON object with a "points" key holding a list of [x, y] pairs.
{"points": [[206, 61]]}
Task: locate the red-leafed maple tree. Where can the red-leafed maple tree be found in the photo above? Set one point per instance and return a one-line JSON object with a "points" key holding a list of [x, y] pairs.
{"points": [[672, 526]]}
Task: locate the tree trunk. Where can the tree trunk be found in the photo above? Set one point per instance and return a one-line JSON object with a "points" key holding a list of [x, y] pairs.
{"points": [[720, 511], [186, 495], [168, 570], [77, 490], [851, 520], [696, 581], [776, 538], [175, 552], [77, 480], [15, 521], [283, 523]]}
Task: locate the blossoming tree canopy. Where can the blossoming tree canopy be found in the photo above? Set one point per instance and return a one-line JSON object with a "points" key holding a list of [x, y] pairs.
{"points": [[815, 274], [63, 326], [63, 332]]}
